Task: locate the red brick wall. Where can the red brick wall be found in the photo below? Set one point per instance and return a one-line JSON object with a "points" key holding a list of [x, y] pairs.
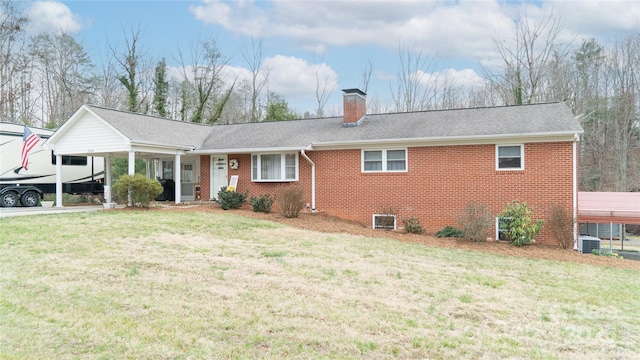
{"points": [[439, 183], [205, 173]]}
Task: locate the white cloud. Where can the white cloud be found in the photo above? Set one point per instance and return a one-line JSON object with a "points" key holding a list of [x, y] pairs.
{"points": [[295, 78], [450, 29], [52, 17]]}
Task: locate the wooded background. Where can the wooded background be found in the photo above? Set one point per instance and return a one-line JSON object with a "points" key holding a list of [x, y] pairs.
{"points": [[45, 78]]}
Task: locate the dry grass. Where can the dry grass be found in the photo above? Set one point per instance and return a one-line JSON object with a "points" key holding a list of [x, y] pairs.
{"points": [[189, 285]]}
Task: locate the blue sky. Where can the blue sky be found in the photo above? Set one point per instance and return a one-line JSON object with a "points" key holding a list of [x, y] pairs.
{"points": [[337, 37]]}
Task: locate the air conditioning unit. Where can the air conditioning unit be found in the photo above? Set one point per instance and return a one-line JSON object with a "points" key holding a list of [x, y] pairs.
{"points": [[586, 244]]}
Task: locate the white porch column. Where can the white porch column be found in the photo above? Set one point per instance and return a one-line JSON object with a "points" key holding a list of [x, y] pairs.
{"points": [[132, 170], [132, 163], [148, 163], [58, 180], [107, 176], [178, 173]]}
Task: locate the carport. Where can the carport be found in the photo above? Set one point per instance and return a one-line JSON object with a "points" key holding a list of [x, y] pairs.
{"points": [[610, 208], [95, 131]]}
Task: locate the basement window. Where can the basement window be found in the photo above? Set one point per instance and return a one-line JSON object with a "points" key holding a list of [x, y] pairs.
{"points": [[384, 221]]}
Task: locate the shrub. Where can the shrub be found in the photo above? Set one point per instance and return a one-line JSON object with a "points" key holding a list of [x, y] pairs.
{"points": [[475, 222], [520, 228], [143, 190], [412, 225], [231, 199], [291, 200], [560, 223], [450, 232], [262, 203]]}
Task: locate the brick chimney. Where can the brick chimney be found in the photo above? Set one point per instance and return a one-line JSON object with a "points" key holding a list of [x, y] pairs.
{"points": [[355, 106]]}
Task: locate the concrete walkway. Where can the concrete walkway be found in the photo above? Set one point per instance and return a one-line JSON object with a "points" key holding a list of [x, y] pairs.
{"points": [[39, 210]]}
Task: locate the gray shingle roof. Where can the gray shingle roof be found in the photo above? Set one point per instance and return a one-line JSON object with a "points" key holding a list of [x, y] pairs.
{"points": [[154, 129], [551, 119], [526, 120]]}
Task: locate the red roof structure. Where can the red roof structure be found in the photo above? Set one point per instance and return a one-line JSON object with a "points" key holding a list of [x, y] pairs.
{"points": [[606, 207]]}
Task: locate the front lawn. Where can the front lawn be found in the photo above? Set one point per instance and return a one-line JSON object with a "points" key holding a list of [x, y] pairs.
{"points": [[144, 284]]}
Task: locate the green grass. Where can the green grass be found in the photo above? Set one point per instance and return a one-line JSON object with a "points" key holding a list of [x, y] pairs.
{"points": [[127, 284]]}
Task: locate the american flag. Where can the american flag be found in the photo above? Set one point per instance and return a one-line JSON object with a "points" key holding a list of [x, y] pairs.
{"points": [[29, 141]]}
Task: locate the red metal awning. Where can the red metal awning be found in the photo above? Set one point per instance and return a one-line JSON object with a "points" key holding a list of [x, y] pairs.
{"points": [[606, 207]]}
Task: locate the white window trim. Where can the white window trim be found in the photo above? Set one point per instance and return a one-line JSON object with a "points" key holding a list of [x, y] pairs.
{"points": [[384, 161], [282, 166], [521, 157]]}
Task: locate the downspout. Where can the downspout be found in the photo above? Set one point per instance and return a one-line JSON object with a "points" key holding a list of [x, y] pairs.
{"points": [[313, 180], [575, 193]]}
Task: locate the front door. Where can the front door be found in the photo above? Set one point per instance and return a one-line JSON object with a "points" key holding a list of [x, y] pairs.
{"points": [[218, 174], [186, 179]]}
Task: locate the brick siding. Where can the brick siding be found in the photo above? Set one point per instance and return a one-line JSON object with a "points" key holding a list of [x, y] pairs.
{"points": [[439, 183]]}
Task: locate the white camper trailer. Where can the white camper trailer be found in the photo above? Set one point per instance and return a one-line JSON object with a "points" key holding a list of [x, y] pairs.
{"points": [[81, 175]]}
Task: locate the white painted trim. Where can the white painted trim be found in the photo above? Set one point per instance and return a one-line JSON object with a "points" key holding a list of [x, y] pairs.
{"points": [[384, 161], [522, 158], [282, 166]]}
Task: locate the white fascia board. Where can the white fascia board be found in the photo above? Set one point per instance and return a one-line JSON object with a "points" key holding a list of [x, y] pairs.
{"points": [[135, 142], [451, 140], [248, 150]]}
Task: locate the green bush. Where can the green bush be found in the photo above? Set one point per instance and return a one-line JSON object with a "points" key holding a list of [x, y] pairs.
{"points": [[143, 190], [262, 203], [231, 199], [475, 222], [291, 200], [520, 228], [450, 232], [412, 225]]}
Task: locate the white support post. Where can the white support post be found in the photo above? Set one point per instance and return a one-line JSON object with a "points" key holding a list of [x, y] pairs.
{"points": [[107, 177], [178, 173], [58, 180], [132, 170]]}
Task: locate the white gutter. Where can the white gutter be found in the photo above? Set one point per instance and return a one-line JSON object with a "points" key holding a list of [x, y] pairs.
{"points": [[313, 180], [575, 193], [245, 150], [438, 140]]}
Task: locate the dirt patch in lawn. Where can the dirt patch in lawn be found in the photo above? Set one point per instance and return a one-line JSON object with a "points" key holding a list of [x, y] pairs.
{"points": [[329, 224]]}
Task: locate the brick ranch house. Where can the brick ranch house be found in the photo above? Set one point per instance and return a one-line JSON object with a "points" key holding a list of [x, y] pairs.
{"points": [[428, 164]]}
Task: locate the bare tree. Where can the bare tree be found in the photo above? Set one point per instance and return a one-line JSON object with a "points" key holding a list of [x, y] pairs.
{"points": [[132, 62], [259, 75], [14, 63], [204, 79], [416, 85], [325, 85], [108, 91], [65, 71], [367, 71], [525, 57]]}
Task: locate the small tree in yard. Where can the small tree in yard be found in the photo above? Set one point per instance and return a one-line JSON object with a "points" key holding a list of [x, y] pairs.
{"points": [[143, 190], [517, 221], [291, 200], [475, 222], [560, 223]]}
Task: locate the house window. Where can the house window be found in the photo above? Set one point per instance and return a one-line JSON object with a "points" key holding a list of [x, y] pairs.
{"points": [[274, 167], [384, 160], [510, 157], [167, 170]]}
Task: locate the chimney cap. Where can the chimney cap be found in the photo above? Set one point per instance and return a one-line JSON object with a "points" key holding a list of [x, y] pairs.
{"points": [[354, 91]]}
